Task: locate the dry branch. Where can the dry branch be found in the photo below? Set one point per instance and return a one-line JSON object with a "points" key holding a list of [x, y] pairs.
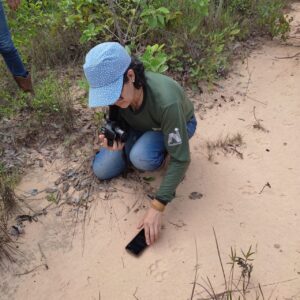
{"points": [[286, 57]]}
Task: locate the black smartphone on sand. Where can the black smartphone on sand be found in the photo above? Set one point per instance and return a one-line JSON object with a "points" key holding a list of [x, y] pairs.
{"points": [[138, 244]]}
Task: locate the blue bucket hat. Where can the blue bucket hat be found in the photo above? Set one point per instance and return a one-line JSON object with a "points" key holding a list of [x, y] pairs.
{"points": [[104, 68]]}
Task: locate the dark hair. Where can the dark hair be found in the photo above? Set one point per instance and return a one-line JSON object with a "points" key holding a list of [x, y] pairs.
{"points": [[139, 72]]}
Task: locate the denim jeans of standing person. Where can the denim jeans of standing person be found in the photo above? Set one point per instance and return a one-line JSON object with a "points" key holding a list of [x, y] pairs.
{"points": [[8, 50], [145, 151]]}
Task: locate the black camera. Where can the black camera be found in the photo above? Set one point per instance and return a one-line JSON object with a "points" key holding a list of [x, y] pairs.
{"points": [[113, 132]]}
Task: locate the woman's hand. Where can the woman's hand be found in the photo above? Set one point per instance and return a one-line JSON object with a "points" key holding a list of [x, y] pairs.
{"points": [[13, 4], [117, 146], [152, 225]]}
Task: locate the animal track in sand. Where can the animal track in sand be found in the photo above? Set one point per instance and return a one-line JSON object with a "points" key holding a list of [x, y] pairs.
{"points": [[173, 245], [288, 123], [247, 190], [261, 141], [254, 156], [157, 271], [296, 113]]}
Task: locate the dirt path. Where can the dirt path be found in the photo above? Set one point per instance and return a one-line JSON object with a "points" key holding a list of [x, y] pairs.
{"points": [[250, 201]]}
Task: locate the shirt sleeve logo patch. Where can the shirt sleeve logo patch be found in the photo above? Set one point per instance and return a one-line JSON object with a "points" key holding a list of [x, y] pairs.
{"points": [[174, 138]]}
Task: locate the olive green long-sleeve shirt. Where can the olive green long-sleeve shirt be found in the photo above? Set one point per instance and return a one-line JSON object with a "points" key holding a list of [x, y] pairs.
{"points": [[165, 108]]}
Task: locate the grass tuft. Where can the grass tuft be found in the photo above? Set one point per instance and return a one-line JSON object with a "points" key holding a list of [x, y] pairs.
{"points": [[227, 144]]}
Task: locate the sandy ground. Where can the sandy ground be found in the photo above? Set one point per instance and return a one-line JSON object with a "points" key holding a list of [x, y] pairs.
{"points": [[88, 260]]}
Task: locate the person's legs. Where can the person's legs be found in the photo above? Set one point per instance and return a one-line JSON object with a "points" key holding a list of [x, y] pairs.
{"points": [[108, 164], [146, 151], [8, 50], [149, 152], [191, 126]]}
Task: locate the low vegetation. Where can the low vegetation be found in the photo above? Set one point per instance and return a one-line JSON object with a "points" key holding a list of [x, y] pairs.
{"points": [[237, 281], [228, 144]]}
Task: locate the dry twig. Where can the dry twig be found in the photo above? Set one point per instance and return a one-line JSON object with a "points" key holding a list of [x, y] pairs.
{"points": [[135, 293], [287, 57], [196, 271], [219, 255], [266, 185], [117, 25], [32, 270], [249, 79], [257, 124]]}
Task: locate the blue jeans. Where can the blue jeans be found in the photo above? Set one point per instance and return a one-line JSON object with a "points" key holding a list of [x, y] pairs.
{"points": [[8, 50], [144, 150]]}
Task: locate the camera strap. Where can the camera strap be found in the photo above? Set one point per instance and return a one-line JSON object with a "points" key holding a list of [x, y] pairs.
{"points": [[113, 115]]}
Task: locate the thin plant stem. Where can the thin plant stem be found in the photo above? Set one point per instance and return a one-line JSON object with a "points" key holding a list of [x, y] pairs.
{"points": [[221, 263]]}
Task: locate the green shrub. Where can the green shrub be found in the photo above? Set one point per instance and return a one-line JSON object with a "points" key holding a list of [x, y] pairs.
{"points": [[155, 59], [196, 34], [8, 180], [52, 102], [242, 7], [271, 19]]}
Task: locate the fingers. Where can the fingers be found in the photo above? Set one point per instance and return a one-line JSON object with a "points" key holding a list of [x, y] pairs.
{"points": [[140, 225], [101, 138], [151, 233], [105, 143], [147, 234], [117, 146]]}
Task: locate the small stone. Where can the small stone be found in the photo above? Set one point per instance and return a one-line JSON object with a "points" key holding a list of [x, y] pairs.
{"points": [[75, 200], [277, 246], [76, 183], [84, 183], [33, 192], [70, 173], [85, 196], [41, 164], [59, 213], [16, 230], [65, 187], [50, 190], [58, 181], [195, 195]]}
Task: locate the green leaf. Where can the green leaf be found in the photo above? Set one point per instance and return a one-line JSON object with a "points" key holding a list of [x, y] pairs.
{"points": [[149, 178], [163, 10], [235, 31], [152, 22], [161, 20]]}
